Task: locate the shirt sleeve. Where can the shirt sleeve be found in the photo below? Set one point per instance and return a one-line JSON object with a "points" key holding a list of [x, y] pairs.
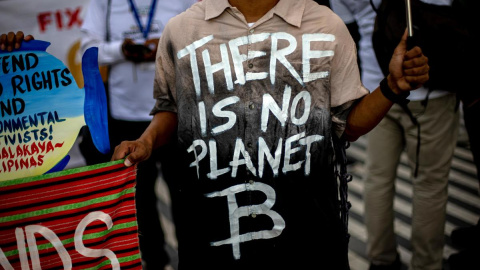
{"points": [[94, 34], [346, 86], [164, 88]]}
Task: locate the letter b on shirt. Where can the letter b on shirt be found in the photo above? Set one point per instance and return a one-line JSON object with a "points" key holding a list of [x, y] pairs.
{"points": [[236, 212]]}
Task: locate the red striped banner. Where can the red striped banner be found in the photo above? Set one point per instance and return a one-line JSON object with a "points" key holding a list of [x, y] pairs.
{"points": [[82, 218]]}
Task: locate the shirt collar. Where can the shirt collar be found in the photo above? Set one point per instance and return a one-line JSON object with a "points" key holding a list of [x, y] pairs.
{"points": [[215, 8]]}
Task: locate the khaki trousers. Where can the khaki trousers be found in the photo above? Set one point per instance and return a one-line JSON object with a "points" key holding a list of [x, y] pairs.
{"points": [[396, 133]]}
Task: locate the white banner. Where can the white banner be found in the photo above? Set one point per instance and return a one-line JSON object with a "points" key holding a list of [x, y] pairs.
{"points": [[56, 21]]}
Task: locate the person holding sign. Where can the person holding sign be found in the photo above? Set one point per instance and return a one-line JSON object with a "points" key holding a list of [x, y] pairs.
{"points": [[127, 33], [257, 90], [13, 40]]}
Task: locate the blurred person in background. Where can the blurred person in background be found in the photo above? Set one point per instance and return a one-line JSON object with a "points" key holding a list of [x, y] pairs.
{"points": [[396, 133], [126, 33], [467, 239]]}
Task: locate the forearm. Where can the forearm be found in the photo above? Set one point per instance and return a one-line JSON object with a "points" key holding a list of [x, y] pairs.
{"points": [[367, 113], [408, 71], [160, 130]]}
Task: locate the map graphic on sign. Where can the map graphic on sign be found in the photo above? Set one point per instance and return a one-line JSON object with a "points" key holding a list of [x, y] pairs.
{"points": [[42, 110]]}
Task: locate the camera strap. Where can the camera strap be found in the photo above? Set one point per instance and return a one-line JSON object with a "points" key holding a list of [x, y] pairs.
{"points": [[151, 13]]}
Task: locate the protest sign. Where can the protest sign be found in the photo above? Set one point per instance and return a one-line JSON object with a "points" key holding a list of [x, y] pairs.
{"points": [[57, 21], [42, 110], [82, 218]]}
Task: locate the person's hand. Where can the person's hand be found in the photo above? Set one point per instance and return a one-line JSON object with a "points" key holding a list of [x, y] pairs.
{"points": [[152, 44], [134, 52], [13, 40], [134, 151], [408, 69]]}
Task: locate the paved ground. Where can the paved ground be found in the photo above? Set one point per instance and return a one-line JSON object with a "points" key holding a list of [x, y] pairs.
{"points": [[463, 207]]}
